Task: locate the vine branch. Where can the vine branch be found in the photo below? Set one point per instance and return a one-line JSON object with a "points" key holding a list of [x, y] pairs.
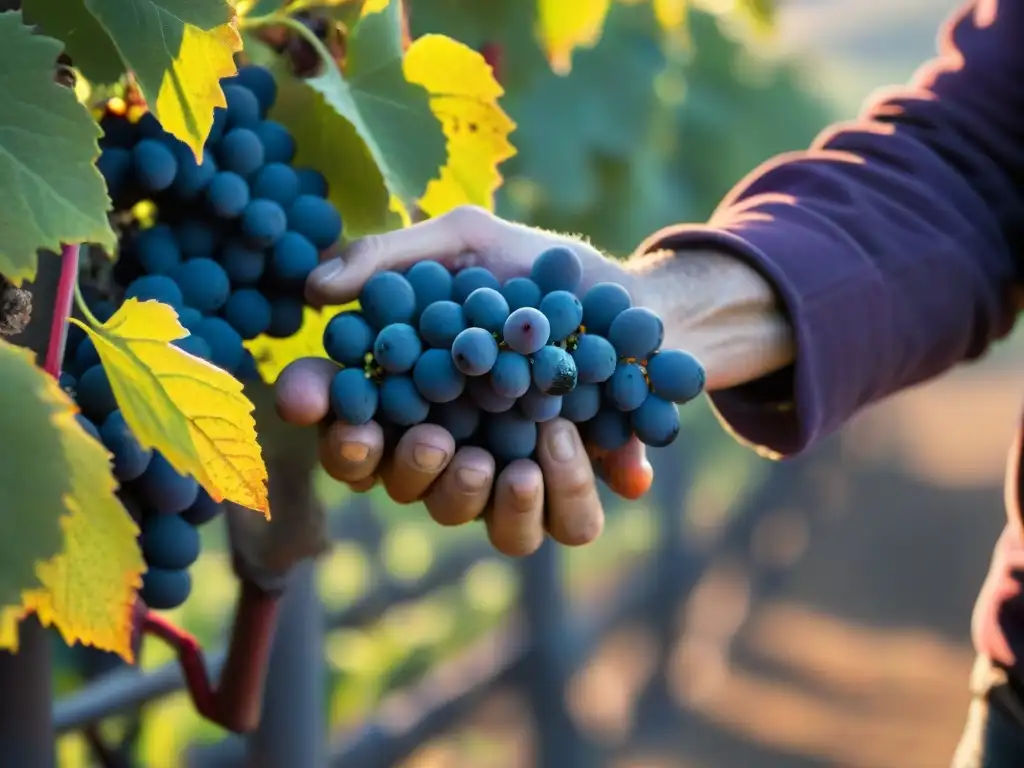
{"points": [[236, 702]]}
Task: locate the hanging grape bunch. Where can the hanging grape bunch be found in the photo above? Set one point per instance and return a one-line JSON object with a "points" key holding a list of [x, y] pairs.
{"points": [[488, 362], [229, 249]]}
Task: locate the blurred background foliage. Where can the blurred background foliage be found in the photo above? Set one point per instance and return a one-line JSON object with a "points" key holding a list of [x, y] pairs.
{"points": [[652, 125]]}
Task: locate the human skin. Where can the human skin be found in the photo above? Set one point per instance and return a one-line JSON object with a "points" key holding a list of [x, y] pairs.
{"points": [[890, 251], [732, 324], [887, 253]]}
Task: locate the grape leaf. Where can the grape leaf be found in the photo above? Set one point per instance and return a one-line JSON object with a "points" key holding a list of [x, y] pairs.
{"points": [[52, 192], [89, 589], [85, 41], [69, 546], [391, 116], [178, 50], [563, 27], [259, 7], [192, 412], [464, 95], [564, 123], [33, 469], [328, 142], [508, 24]]}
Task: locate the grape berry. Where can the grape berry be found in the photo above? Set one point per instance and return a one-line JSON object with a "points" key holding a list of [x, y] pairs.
{"points": [[233, 240], [489, 362], [236, 235]]}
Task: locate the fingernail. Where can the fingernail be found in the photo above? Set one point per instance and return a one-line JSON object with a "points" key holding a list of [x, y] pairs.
{"points": [[329, 270], [429, 458], [355, 452], [523, 491], [471, 480], [563, 444]]}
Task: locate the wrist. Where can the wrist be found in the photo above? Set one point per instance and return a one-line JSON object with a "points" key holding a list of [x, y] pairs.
{"points": [[718, 308]]}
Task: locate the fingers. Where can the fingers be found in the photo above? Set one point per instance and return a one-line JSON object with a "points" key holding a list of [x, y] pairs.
{"points": [[575, 515], [462, 492], [421, 455], [443, 239], [515, 524], [627, 470], [351, 454], [301, 393]]}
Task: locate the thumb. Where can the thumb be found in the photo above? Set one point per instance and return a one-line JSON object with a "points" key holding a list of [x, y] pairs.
{"points": [[444, 239]]}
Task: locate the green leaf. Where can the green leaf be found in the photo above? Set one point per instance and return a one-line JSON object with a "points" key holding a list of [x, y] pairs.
{"points": [[86, 42], [51, 190], [564, 123], [261, 7], [68, 548], [391, 116], [178, 50], [35, 471], [328, 142]]}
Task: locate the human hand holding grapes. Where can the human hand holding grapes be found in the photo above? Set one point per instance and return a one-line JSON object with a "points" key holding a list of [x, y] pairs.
{"points": [[556, 491]]}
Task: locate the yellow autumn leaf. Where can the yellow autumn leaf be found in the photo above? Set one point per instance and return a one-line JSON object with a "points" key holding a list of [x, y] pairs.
{"points": [[188, 97], [464, 97], [194, 413], [563, 26], [374, 6], [86, 586], [671, 14], [89, 590], [178, 53]]}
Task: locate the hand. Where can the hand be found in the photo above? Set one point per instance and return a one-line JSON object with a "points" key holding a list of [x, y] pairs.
{"points": [[557, 493]]}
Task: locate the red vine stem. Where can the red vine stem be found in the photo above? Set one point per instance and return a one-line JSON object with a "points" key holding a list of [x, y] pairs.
{"points": [[236, 702], [62, 308]]}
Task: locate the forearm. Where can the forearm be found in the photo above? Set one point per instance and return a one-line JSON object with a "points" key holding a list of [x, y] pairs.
{"points": [[893, 244], [720, 310]]}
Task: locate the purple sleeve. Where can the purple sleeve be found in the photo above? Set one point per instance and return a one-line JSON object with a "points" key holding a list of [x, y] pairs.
{"points": [[894, 242]]}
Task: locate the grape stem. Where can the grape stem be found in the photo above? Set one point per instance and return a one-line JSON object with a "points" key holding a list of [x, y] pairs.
{"points": [[67, 287], [236, 703], [84, 308]]}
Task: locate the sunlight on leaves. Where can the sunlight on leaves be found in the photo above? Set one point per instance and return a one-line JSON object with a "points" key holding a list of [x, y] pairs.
{"points": [[74, 559], [563, 27], [464, 95], [273, 355], [178, 51], [194, 413]]}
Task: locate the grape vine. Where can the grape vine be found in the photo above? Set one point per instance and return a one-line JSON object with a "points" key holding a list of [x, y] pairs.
{"points": [[184, 169], [187, 219]]}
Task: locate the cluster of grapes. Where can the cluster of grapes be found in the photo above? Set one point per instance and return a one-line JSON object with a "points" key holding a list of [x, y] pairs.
{"points": [[231, 245], [235, 236], [168, 507], [488, 362]]}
